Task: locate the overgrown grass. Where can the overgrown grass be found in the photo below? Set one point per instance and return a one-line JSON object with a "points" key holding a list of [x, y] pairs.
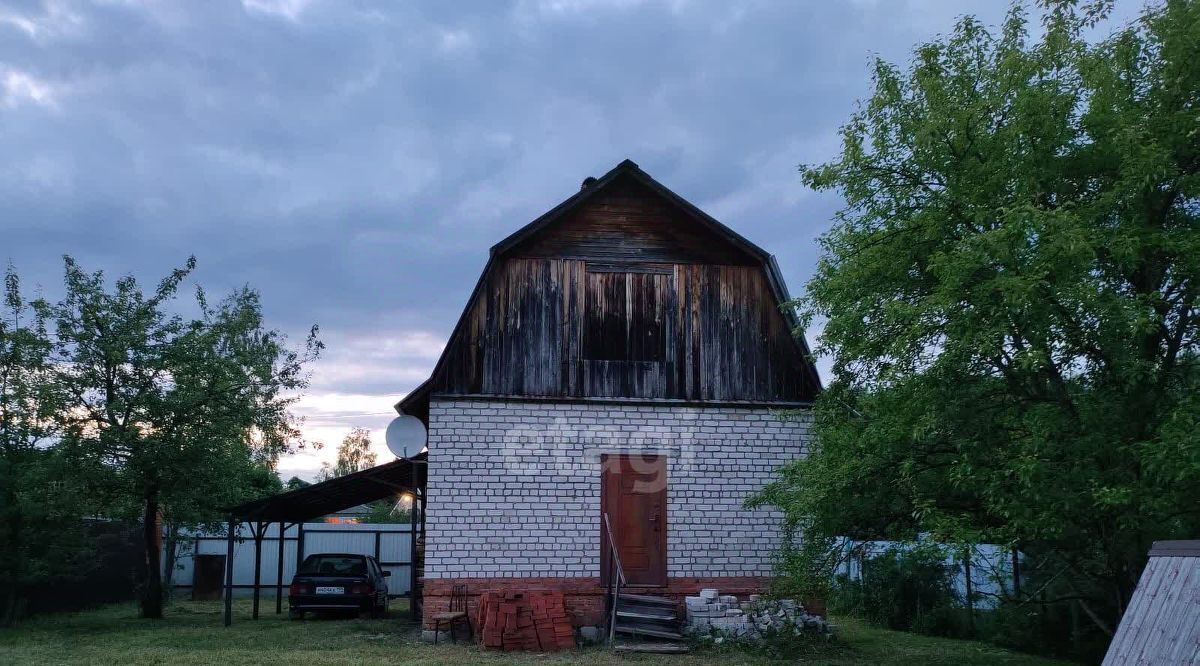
{"points": [[192, 634]]}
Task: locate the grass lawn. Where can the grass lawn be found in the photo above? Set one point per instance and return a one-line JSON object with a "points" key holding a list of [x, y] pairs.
{"points": [[192, 634]]}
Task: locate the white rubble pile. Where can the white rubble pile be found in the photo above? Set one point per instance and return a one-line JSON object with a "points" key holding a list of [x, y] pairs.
{"points": [[722, 615]]}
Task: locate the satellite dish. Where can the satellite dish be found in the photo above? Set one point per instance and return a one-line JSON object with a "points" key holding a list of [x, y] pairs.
{"points": [[405, 436]]}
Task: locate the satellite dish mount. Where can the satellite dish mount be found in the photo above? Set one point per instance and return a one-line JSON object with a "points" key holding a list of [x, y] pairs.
{"points": [[405, 436]]}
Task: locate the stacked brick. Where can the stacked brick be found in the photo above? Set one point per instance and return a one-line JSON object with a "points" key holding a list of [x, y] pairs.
{"points": [[535, 621], [583, 597]]}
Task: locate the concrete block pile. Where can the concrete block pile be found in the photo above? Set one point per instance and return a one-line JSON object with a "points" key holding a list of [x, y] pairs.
{"points": [[723, 615]]}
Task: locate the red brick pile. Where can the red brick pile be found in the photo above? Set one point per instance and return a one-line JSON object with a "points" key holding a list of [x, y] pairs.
{"points": [[525, 621]]}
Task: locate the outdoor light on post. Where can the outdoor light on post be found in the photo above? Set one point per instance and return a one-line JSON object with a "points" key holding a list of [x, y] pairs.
{"points": [[407, 500], [406, 437]]}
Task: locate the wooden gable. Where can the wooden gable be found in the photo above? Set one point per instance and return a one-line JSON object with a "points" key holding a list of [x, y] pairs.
{"points": [[625, 292], [627, 222]]}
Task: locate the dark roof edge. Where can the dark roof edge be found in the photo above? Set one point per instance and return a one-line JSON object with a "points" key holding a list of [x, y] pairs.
{"points": [[646, 402], [1188, 548], [775, 279], [422, 389], [245, 509]]}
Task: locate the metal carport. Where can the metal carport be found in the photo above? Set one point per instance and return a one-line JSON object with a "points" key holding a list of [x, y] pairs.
{"points": [[403, 476]]}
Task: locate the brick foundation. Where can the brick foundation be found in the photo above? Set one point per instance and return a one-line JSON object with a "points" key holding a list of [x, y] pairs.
{"points": [[584, 597]]}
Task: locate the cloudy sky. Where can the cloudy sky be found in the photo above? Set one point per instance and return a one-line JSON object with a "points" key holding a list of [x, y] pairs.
{"points": [[355, 160]]}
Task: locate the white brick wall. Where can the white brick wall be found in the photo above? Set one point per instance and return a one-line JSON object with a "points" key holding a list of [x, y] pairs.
{"points": [[514, 487]]}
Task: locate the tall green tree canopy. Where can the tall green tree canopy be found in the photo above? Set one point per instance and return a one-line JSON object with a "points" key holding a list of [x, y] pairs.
{"points": [[176, 416], [40, 501], [1009, 299]]}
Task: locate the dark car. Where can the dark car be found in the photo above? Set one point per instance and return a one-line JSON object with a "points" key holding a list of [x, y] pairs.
{"points": [[338, 582]]}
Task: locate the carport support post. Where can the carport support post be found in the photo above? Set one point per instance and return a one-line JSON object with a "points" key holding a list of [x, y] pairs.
{"points": [[970, 551], [299, 545], [229, 575], [421, 553], [279, 570], [258, 537], [412, 557]]}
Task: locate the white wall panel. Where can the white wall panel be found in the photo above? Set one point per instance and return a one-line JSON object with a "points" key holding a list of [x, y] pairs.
{"points": [[393, 539]]}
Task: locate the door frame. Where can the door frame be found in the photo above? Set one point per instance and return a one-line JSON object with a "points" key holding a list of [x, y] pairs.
{"points": [[605, 474]]}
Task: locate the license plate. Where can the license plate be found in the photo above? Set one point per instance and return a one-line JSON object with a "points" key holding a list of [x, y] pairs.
{"points": [[331, 590]]}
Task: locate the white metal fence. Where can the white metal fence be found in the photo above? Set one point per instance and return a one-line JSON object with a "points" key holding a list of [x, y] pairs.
{"points": [[984, 571], [390, 543]]}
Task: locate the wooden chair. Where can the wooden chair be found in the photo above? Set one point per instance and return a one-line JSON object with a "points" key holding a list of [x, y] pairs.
{"points": [[456, 614]]}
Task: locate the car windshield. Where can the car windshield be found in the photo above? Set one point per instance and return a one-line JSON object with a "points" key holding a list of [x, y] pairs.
{"points": [[333, 565]]}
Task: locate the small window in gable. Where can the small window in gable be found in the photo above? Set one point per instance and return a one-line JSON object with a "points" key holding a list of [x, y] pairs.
{"points": [[625, 313]]}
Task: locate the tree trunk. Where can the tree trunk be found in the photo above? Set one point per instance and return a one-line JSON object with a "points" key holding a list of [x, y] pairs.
{"points": [[170, 558], [152, 591], [8, 611], [12, 577]]}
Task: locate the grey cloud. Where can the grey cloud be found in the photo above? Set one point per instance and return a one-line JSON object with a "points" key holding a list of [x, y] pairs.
{"points": [[355, 160]]}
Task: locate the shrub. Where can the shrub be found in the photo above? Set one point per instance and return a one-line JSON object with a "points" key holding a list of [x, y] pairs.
{"points": [[903, 588]]}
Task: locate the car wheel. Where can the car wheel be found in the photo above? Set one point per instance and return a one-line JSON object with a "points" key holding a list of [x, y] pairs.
{"points": [[295, 614]]}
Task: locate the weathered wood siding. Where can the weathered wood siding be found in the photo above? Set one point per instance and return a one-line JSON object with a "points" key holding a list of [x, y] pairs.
{"points": [[552, 327], [1162, 623], [627, 222], [626, 295]]}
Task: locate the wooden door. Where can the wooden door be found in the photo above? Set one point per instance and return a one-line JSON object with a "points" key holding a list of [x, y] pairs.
{"points": [[208, 577], [633, 492]]}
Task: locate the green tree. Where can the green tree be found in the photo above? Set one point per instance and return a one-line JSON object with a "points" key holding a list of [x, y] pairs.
{"points": [[176, 417], [259, 480], [392, 510], [40, 511], [296, 483], [1009, 299], [353, 455]]}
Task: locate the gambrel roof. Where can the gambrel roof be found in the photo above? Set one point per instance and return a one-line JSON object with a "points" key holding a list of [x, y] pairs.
{"points": [[700, 223]]}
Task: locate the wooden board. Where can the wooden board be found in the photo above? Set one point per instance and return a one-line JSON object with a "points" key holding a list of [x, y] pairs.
{"points": [[553, 328], [1162, 623], [628, 222]]}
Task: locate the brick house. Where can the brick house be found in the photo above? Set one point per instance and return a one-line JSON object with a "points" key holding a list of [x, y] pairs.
{"points": [[623, 354]]}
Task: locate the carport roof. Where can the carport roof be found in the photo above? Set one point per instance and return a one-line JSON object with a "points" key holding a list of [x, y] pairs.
{"points": [[406, 475]]}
